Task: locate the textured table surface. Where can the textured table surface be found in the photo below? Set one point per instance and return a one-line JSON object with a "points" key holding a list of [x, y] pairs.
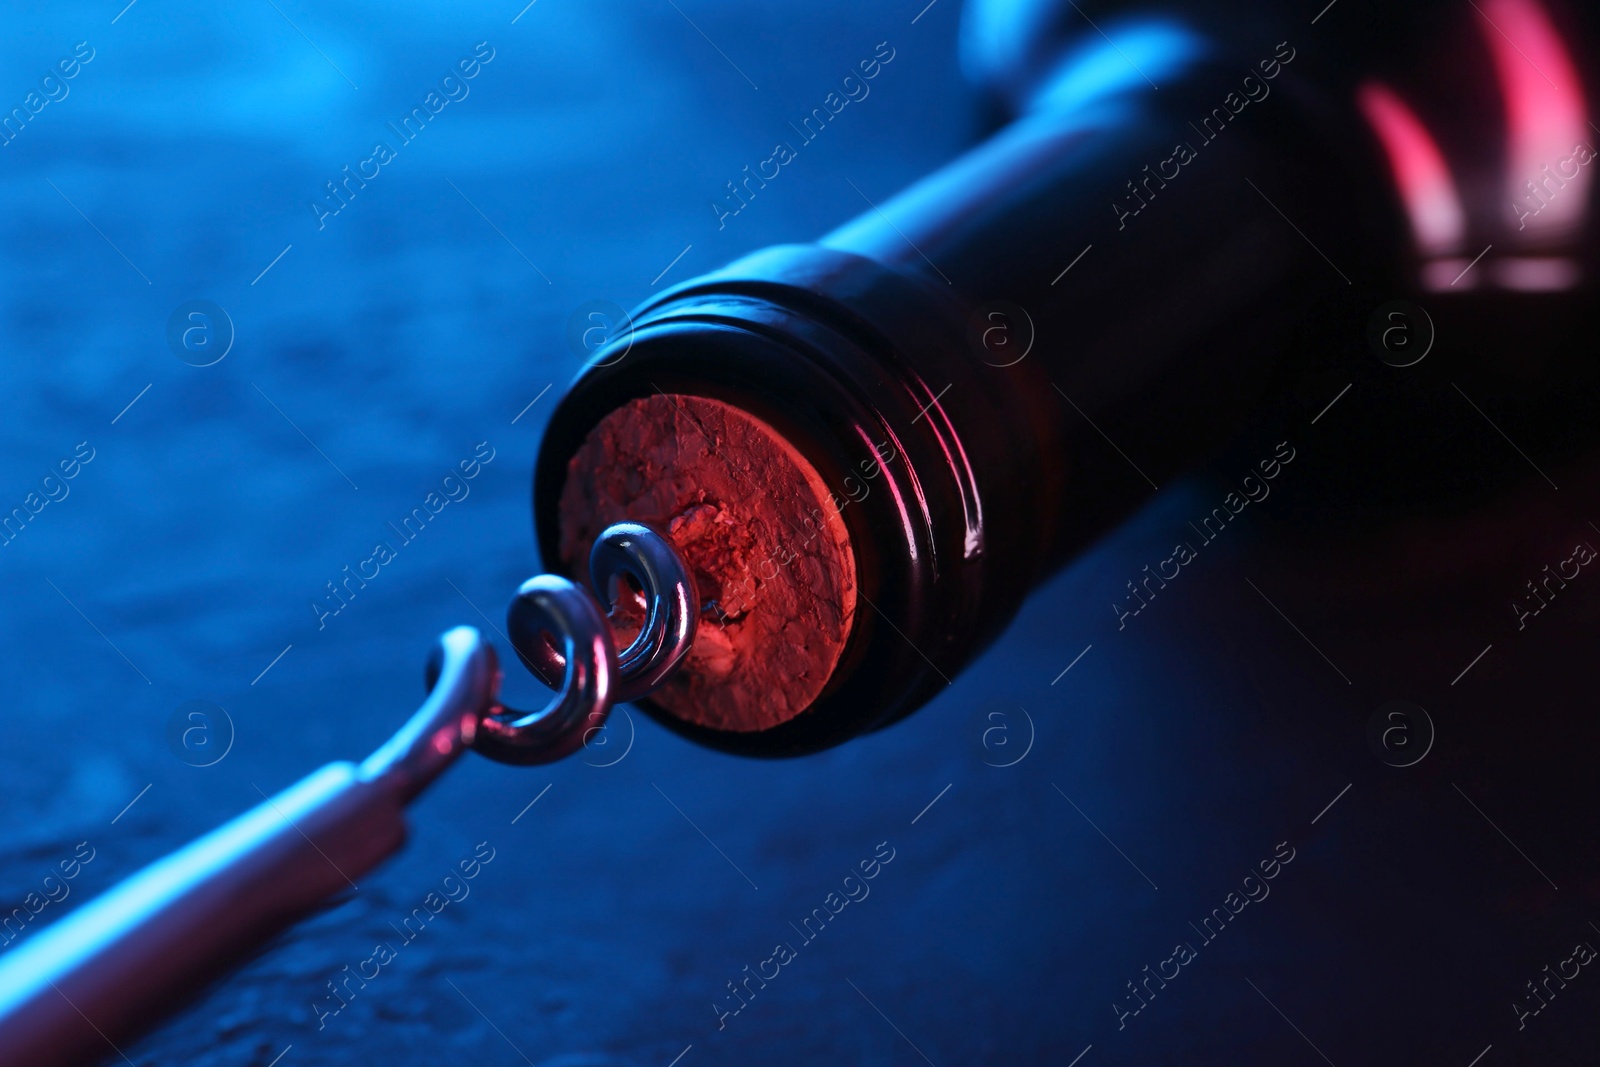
{"points": [[1224, 725]]}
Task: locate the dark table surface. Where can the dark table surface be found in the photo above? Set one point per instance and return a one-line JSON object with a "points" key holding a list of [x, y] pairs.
{"points": [[1053, 831]]}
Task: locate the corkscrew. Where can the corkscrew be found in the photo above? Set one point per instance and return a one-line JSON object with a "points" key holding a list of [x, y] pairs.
{"points": [[136, 949]]}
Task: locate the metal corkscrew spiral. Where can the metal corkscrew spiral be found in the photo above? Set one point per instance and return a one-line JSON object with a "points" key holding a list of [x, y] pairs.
{"points": [[563, 635]]}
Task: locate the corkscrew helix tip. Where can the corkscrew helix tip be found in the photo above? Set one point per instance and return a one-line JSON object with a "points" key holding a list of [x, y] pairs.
{"points": [[563, 635]]}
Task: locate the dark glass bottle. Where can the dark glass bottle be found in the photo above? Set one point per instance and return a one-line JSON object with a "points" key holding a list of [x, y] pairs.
{"points": [[1042, 331]]}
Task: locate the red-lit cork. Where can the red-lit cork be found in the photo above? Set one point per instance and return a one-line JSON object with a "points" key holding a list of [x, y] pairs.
{"points": [[754, 521]]}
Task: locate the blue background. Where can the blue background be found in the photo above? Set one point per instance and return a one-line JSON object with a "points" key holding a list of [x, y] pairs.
{"points": [[408, 330]]}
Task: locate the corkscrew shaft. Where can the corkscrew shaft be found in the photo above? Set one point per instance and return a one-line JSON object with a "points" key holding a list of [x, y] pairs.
{"points": [[76, 987]]}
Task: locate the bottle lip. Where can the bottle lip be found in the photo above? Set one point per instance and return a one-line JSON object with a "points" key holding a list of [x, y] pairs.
{"points": [[780, 335]]}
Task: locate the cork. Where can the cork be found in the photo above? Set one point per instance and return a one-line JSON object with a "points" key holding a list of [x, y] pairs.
{"points": [[768, 549]]}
